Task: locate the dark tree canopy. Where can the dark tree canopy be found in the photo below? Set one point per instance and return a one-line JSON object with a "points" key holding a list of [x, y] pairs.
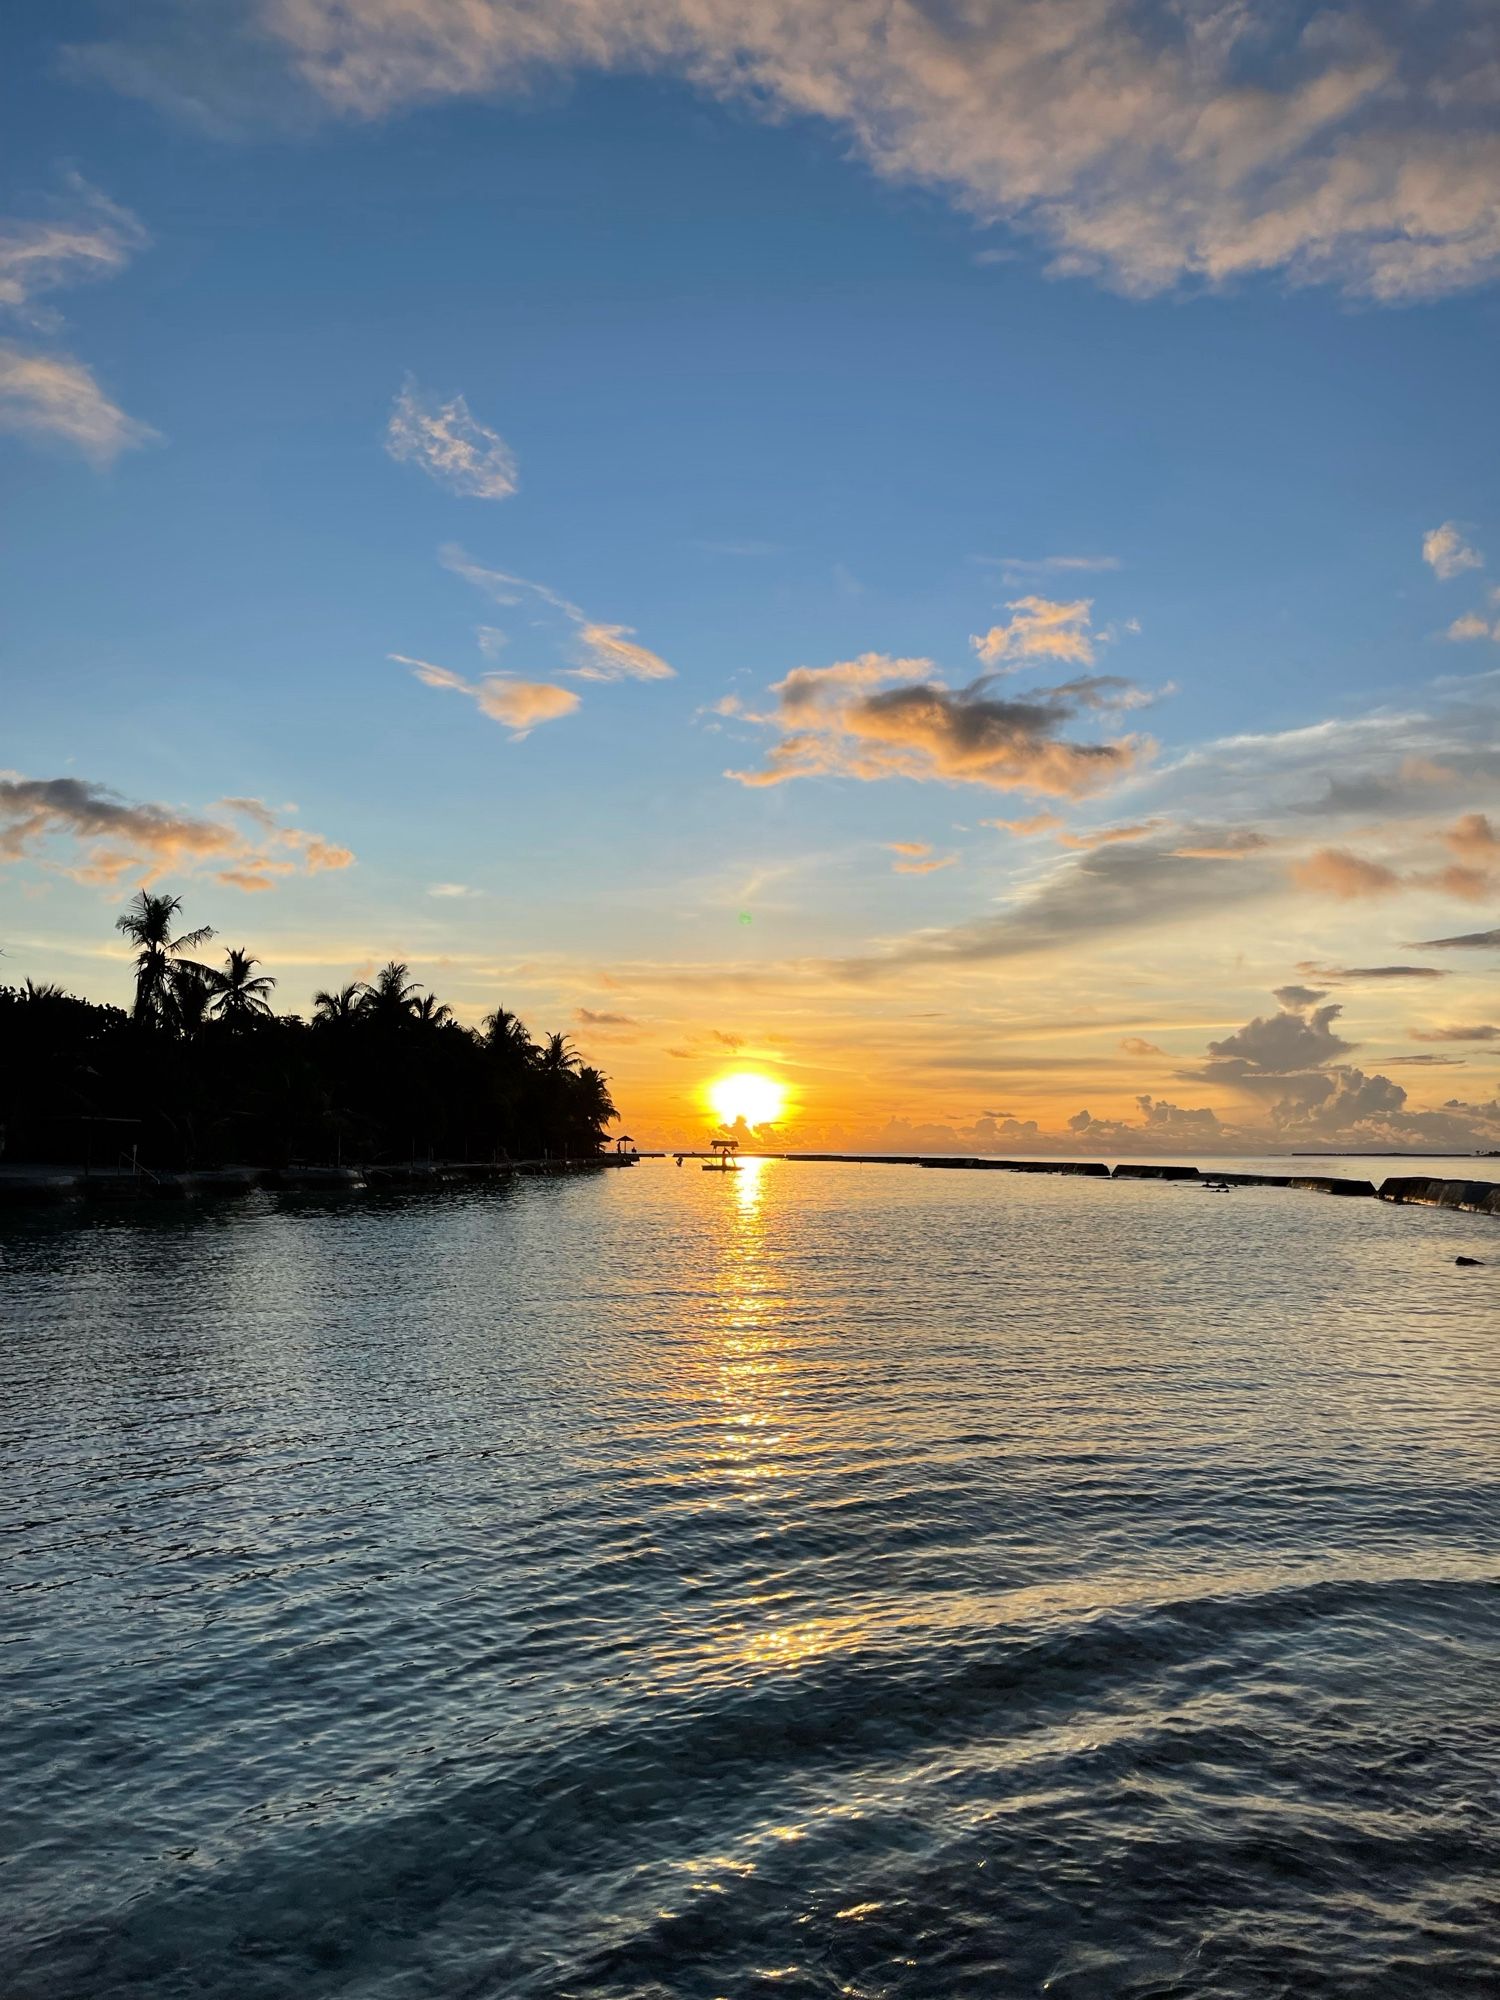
{"points": [[202, 1073]]}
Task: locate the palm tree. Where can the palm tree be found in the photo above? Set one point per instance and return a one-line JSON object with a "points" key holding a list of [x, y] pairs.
{"points": [[390, 997], [190, 989], [148, 924], [340, 1006], [558, 1057], [431, 1012], [506, 1035], [239, 994]]}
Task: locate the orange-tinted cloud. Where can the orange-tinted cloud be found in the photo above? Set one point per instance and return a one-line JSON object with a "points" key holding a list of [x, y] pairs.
{"points": [[1334, 871], [870, 719]]}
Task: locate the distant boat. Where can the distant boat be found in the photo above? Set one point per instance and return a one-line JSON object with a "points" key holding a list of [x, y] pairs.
{"points": [[723, 1161]]}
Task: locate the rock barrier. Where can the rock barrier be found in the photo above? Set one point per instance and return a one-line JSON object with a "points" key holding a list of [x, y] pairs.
{"points": [[1471, 1197]]}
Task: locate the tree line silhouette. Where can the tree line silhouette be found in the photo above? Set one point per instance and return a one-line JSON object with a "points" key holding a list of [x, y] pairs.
{"points": [[203, 1072]]}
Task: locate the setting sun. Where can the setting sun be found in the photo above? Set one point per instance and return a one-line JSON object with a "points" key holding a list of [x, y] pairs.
{"points": [[759, 1100]]}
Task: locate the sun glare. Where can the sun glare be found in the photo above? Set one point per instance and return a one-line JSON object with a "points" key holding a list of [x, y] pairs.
{"points": [[759, 1100]]}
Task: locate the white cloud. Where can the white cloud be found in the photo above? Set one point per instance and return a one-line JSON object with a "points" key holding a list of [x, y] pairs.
{"points": [[450, 445], [1446, 552], [519, 705], [1354, 144], [89, 237], [52, 396]]}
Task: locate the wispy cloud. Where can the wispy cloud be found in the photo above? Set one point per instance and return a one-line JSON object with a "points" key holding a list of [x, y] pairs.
{"points": [[1447, 553], [878, 717], [519, 705], [915, 857], [1146, 147], [450, 445], [1470, 941], [52, 396], [44, 393], [1481, 1031], [107, 839], [601, 652], [86, 237]]}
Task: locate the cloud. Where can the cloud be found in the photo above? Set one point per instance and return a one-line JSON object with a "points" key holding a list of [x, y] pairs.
{"points": [[451, 891], [1480, 1031], [1018, 569], [519, 705], [1042, 822], [89, 237], [870, 719], [1446, 552], [1146, 146], [1472, 626], [1233, 844], [1475, 838], [1042, 629], [120, 840], [1333, 871], [915, 857], [450, 445], [1108, 836], [1338, 975], [1291, 1063], [587, 1018], [46, 395], [1470, 941], [1298, 998], [601, 652], [1135, 1045]]}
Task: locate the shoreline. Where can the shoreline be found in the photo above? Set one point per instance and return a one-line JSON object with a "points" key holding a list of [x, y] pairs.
{"points": [[36, 1185]]}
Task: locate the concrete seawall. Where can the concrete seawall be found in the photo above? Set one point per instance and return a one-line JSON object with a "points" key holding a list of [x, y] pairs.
{"points": [[1471, 1197]]}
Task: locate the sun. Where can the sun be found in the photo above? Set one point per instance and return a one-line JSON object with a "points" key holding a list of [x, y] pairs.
{"points": [[759, 1100]]}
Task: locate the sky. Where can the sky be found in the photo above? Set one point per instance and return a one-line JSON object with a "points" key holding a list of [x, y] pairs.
{"points": [[949, 556]]}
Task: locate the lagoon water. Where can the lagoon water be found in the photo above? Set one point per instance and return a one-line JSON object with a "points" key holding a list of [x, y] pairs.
{"points": [[822, 1581]]}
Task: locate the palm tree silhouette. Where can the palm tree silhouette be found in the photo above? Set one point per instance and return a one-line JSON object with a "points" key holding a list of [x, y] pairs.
{"points": [[148, 924], [558, 1057], [390, 997], [431, 1012], [238, 993], [507, 1035], [340, 1006]]}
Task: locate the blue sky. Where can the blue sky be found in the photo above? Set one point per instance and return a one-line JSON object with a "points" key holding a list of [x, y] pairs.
{"points": [[778, 394]]}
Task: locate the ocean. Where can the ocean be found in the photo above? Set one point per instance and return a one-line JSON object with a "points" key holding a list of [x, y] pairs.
{"points": [[818, 1581]]}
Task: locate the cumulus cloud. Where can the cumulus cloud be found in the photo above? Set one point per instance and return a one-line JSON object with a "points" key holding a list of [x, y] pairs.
{"points": [[52, 396], [601, 652], [519, 705], [1291, 1063], [874, 718], [110, 839], [1446, 552], [1147, 146], [450, 445], [1474, 838], [1297, 998], [1042, 629], [1472, 626]]}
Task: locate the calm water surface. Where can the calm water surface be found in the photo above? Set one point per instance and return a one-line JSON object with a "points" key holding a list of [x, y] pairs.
{"points": [[827, 1581]]}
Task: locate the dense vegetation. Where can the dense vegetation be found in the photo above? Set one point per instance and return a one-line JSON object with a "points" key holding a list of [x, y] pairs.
{"points": [[203, 1072]]}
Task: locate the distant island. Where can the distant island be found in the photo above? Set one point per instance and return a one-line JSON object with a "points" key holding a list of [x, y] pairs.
{"points": [[202, 1072]]}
